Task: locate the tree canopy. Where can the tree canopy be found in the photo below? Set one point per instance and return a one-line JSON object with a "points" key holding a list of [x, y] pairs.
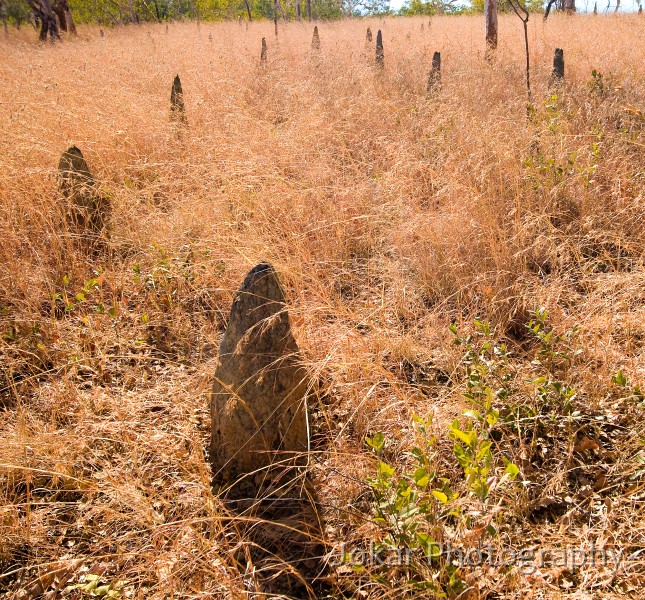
{"points": [[117, 12]]}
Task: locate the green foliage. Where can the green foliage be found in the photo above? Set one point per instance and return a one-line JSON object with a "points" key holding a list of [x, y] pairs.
{"points": [[70, 299], [555, 349], [633, 392], [412, 507], [533, 6], [417, 508], [15, 12], [420, 509], [111, 12], [93, 587], [432, 7]]}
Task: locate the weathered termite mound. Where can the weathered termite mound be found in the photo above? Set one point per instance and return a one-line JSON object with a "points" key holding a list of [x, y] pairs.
{"points": [[557, 75], [315, 39], [85, 208], [258, 414], [380, 55], [434, 76], [177, 106]]}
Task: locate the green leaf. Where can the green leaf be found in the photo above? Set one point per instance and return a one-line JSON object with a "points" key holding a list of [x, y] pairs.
{"points": [[492, 417], [384, 470], [429, 546], [377, 442], [619, 379], [473, 414], [512, 470], [461, 455], [440, 496], [421, 477], [461, 435]]}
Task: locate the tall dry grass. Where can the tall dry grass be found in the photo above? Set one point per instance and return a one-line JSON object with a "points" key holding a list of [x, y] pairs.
{"points": [[388, 213]]}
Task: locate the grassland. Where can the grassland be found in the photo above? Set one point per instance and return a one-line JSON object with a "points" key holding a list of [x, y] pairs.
{"points": [[390, 214]]}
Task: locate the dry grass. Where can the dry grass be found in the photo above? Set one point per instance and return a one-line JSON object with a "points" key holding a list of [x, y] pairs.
{"points": [[388, 214]]}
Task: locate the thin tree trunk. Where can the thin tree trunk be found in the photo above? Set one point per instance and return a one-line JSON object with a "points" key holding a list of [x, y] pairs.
{"points": [[3, 16], [64, 14], [248, 9], [550, 3], [134, 18], [309, 9], [298, 10], [490, 10], [528, 61]]}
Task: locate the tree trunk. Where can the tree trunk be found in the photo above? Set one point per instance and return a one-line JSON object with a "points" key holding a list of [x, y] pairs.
{"points": [[570, 6], [134, 17], [3, 16], [490, 10], [248, 9], [309, 9], [43, 12], [298, 10], [64, 14]]}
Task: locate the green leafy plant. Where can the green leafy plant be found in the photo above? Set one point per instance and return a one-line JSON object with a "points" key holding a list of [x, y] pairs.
{"points": [[94, 587], [633, 392], [555, 349]]}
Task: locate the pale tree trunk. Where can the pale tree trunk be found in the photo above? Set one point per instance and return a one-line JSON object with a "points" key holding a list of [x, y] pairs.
{"points": [[64, 14], [134, 17], [490, 10], [275, 16]]}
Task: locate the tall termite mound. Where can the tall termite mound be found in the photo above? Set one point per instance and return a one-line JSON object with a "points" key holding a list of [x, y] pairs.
{"points": [[258, 410], [434, 76], [557, 75], [84, 206], [177, 108], [315, 40], [380, 55]]}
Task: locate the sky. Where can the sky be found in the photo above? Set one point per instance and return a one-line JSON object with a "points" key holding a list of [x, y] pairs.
{"points": [[625, 5]]}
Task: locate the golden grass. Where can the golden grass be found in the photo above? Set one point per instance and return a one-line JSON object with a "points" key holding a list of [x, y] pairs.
{"points": [[389, 214]]}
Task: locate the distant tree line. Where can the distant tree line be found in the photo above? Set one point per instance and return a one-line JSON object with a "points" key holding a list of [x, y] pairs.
{"points": [[52, 16], [438, 7]]}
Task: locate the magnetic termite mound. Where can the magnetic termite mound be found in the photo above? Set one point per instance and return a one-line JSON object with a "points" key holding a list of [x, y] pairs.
{"points": [[315, 39], [84, 206], [263, 52], [557, 75], [434, 76], [177, 107], [258, 413], [368, 35], [380, 55]]}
